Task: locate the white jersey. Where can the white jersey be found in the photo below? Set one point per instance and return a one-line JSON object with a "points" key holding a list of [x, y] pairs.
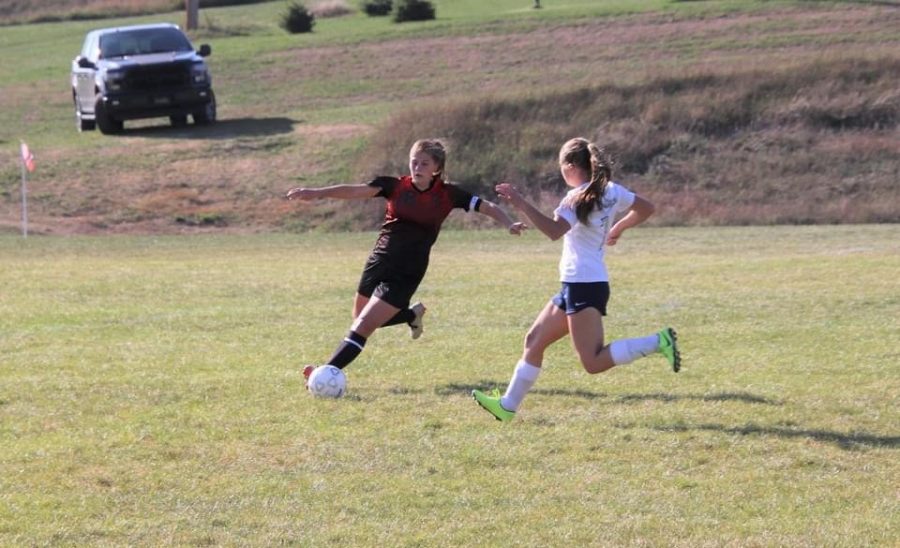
{"points": [[583, 245]]}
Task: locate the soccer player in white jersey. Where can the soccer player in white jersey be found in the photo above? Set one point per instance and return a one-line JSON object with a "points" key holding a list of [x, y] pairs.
{"points": [[586, 220]]}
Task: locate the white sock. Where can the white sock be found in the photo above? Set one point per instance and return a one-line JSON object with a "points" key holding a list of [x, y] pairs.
{"points": [[627, 350], [522, 380]]}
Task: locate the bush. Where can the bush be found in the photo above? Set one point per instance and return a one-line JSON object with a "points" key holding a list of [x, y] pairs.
{"points": [[297, 19], [413, 10], [374, 8]]}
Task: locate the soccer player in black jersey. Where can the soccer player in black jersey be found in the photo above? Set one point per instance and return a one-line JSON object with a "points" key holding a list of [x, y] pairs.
{"points": [[417, 205]]}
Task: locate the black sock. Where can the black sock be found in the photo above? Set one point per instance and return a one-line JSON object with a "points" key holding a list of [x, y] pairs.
{"points": [[348, 350], [405, 315]]}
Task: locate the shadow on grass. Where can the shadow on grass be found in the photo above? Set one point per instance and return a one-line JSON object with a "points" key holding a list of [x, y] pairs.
{"points": [[486, 385], [455, 387], [222, 129], [852, 440], [743, 397]]}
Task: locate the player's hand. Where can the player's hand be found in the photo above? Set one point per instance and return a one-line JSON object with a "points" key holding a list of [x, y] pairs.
{"points": [[517, 228], [509, 193], [300, 193], [613, 236]]}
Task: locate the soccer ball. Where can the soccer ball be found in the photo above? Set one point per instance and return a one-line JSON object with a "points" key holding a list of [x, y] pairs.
{"points": [[327, 381]]}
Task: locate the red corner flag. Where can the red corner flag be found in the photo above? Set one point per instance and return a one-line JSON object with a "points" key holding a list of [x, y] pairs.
{"points": [[27, 158]]}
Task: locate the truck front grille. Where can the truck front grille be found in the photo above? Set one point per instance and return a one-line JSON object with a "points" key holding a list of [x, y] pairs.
{"points": [[158, 77]]}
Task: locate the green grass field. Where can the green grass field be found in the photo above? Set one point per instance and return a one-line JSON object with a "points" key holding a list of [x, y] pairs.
{"points": [[150, 395]]}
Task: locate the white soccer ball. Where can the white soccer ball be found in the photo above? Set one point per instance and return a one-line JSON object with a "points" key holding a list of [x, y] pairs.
{"points": [[327, 381]]}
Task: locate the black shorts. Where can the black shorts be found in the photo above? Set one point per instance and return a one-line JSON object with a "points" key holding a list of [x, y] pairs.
{"points": [[392, 281], [575, 297]]}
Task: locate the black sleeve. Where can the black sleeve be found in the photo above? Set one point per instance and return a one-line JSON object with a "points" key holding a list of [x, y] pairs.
{"points": [[384, 184], [463, 198]]}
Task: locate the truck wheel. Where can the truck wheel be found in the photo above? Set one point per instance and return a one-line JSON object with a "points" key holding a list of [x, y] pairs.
{"points": [[208, 114], [105, 122]]}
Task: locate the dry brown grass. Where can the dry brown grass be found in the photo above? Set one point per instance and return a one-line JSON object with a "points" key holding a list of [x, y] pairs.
{"points": [[21, 11], [330, 8], [25, 11], [812, 144], [805, 135], [181, 185]]}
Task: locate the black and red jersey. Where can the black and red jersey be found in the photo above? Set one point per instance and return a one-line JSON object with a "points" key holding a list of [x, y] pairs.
{"points": [[413, 217]]}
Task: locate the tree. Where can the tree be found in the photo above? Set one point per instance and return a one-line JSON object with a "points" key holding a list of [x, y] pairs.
{"points": [[192, 9]]}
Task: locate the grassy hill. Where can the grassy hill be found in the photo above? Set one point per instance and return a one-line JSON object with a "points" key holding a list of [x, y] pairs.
{"points": [[721, 112]]}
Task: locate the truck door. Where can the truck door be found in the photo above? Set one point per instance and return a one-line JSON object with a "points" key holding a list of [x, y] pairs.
{"points": [[83, 77]]}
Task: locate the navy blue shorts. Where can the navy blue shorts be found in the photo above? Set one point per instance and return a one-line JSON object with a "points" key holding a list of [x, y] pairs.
{"points": [[575, 297]]}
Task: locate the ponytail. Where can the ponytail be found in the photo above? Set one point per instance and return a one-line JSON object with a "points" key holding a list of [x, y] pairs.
{"points": [[587, 156]]}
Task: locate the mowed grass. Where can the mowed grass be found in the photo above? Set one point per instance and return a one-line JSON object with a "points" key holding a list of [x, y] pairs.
{"points": [[150, 395]]}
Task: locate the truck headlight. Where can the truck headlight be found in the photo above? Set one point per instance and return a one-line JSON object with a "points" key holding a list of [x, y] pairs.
{"points": [[115, 80], [199, 74]]}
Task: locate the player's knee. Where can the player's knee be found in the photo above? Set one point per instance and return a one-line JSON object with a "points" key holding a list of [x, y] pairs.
{"points": [[595, 364], [588, 363], [533, 340]]}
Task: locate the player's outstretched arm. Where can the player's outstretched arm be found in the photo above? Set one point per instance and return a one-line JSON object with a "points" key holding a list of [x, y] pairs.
{"points": [[340, 192], [491, 210], [553, 228]]}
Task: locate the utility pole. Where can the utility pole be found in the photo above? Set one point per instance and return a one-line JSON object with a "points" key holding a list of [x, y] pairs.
{"points": [[192, 7]]}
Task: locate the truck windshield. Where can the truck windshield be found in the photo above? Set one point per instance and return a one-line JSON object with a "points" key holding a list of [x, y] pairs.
{"points": [[143, 41]]}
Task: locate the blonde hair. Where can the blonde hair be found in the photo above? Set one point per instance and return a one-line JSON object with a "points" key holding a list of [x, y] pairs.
{"points": [[434, 148], [590, 158]]}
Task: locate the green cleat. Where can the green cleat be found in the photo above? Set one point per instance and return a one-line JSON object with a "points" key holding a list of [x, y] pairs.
{"points": [[492, 405], [668, 345]]}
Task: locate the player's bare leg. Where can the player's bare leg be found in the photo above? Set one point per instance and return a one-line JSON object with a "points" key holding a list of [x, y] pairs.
{"points": [[586, 327]]}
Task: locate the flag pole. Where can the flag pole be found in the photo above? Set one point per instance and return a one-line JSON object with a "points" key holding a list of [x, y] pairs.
{"points": [[24, 199]]}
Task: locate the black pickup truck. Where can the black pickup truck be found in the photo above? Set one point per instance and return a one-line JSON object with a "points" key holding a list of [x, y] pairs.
{"points": [[141, 71]]}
